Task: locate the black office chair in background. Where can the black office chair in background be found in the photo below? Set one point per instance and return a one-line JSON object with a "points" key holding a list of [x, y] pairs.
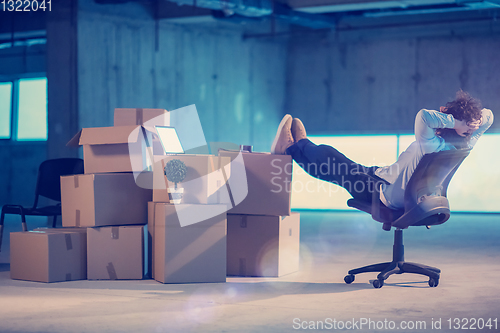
{"points": [[48, 185], [425, 205]]}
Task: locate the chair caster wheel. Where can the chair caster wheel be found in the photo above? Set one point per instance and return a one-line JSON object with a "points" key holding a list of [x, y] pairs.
{"points": [[433, 282], [378, 283], [349, 278]]}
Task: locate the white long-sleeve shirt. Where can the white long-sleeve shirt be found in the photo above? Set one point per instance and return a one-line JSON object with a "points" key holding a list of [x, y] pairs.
{"points": [[426, 141]]}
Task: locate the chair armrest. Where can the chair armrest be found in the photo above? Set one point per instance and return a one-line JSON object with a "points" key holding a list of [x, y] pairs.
{"points": [[375, 193], [376, 201], [375, 207]]}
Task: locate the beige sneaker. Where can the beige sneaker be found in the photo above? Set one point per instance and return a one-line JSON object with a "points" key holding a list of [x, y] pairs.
{"points": [[298, 130], [284, 138]]}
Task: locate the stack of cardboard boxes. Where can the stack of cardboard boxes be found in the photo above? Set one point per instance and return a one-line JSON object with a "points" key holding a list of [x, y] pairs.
{"points": [[262, 234], [105, 206], [188, 240], [234, 218]]}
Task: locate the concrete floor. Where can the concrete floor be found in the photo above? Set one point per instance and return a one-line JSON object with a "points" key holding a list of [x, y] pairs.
{"points": [[466, 249]]}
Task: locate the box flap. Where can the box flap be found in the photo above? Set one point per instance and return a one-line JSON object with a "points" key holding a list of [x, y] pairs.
{"points": [[106, 135], [75, 140], [229, 152]]}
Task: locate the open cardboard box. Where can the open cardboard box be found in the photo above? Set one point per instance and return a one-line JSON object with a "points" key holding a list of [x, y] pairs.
{"points": [[115, 149], [205, 182]]}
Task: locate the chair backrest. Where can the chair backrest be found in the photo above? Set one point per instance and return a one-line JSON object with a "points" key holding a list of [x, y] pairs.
{"points": [[49, 173], [432, 176], [425, 194]]}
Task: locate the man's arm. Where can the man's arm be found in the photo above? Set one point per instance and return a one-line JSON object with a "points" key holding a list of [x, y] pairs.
{"points": [[486, 121], [426, 122]]}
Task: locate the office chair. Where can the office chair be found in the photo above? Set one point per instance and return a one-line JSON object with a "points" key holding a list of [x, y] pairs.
{"points": [[48, 185], [425, 204]]}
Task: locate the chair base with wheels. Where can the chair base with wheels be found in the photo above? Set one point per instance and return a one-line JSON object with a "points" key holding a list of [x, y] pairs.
{"points": [[396, 266]]}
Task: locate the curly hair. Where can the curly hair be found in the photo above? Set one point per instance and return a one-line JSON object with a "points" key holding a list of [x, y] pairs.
{"points": [[464, 107]]}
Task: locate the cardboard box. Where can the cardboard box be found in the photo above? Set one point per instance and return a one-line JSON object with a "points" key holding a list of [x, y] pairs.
{"points": [[115, 253], [205, 181], [63, 229], [115, 149], [149, 118], [264, 246], [191, 254], [149, 242], [103, 199], [48, 256], [138, 116], [268, 178]]}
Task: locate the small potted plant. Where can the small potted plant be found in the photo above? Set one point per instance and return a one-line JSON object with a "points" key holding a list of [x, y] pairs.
{"points": [[175, 171]]}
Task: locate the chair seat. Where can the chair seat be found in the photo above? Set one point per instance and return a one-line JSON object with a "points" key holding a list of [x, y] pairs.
{"points": [[48, 185], [40, 211], [387, 215]]}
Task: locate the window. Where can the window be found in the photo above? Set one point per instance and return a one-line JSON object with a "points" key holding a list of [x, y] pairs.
{"points": [[23, 109], [472, 189], [5, 109], [312, 193]]}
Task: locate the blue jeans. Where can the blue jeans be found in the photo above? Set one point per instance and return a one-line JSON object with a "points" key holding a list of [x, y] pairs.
{"points": [[327, 163]]}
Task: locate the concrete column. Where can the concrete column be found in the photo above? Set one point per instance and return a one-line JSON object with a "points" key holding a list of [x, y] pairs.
{"points": [[62, 77]]}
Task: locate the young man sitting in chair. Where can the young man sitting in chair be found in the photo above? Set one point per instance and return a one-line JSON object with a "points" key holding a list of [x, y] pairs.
{"points": [[457, 125]]}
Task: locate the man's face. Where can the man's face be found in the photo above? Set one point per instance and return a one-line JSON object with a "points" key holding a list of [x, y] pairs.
{"points": [[472, 126], [467, 128]]}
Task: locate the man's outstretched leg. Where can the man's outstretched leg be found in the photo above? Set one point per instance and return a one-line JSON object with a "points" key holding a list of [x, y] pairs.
{"points": [[320, 161]]}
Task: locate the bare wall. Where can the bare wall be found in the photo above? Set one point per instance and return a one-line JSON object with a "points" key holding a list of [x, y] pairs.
{"points": [[377, 85], [238, 85]]}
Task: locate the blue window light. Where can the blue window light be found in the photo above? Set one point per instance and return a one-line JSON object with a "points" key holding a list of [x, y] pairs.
{"points": [[474, 188], [5, 109], [311, 193], [32, 110]]}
